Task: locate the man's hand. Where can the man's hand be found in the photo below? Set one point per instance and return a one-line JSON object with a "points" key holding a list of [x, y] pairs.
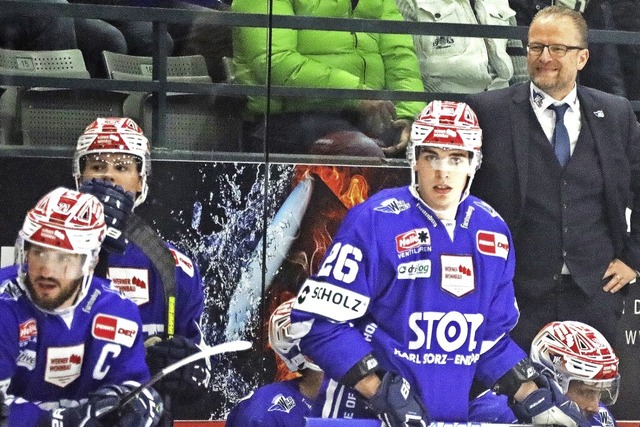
{"points": [[397, 404], [187, 383], [620, 274], [547, 405], [118, 204], [400, 147], [375, 117], [144, 411]]}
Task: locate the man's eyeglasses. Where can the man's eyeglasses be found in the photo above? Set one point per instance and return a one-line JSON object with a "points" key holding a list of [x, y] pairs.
{"points": [[555, 50]]}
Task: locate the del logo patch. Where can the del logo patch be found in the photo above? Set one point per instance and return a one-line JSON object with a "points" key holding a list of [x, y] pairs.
{"points": [[131, 282], [493, 244], [63, 364], [458, 277], [114, 329]]}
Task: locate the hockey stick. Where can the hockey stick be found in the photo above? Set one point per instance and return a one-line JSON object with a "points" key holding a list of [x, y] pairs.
{"points": [[227, 347]]}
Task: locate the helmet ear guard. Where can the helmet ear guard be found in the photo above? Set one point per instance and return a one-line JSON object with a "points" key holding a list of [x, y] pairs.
{"points": [[575, 351], [114, 135]]}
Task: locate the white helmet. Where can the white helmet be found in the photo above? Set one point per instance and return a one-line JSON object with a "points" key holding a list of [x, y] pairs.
{"points": [[576, 351], [447, 125], [114, 135], [65, 220], [284, 343]]}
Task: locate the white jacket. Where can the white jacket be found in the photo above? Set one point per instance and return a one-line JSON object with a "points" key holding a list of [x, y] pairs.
{"points": [[461, 64]]}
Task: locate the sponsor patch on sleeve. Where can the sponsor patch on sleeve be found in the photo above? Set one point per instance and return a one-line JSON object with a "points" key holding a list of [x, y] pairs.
{"points": [[114, 329], [183, 262], [330, 301], [492, 244]]}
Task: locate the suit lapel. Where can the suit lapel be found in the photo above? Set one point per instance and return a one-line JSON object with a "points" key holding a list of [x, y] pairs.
{"points": [[520, 134]]}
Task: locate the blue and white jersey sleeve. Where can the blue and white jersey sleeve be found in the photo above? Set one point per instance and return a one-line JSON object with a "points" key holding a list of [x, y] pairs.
{"points": [[278, 404]]}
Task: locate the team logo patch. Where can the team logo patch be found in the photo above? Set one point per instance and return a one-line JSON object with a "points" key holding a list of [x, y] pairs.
{"points": [[484, 206], [282, 404], [114, 329], [393, 206], [414, 269], [183, 262], [413, 239], [131, 282], [63, 364], [27, 331], [458, 277], [493, 244]]}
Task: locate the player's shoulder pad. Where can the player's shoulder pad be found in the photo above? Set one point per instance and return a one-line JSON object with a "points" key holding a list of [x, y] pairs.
{"points": [[184, 262]]}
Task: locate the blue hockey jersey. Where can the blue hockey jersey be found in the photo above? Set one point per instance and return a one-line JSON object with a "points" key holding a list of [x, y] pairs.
{"points": [[134, 274], [51, 359], [281, 404], [435, 309]]}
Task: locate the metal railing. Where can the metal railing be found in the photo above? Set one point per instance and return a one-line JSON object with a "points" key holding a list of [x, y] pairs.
{"points": [[159, 85]]}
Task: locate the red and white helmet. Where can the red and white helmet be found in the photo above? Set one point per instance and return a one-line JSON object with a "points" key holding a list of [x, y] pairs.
{"points": [[284, 342], [447, 125], [119, 135], [577, 351], [65, 220]]}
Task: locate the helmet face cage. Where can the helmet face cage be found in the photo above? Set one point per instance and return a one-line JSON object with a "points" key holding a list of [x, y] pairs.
{"points": [[575, 351], [446, 125], [117, 136], [282, 341], [65, 220]]}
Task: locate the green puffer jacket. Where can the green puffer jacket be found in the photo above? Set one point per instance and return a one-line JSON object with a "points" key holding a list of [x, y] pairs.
{"points": [[326, 59]]}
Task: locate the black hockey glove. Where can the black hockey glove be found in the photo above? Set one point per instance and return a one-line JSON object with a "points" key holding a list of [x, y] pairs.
{"points": [[397, 404], [548, 405], [118, 204], [188, 382], [144, 411]]}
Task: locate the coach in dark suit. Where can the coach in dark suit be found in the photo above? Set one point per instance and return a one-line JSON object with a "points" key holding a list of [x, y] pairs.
{"points": [[561, 164]]}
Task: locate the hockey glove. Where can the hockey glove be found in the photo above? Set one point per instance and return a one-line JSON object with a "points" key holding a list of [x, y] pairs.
{"points": [[548, 405], [397, 404], [118, 204], [144, 411], [186, 383]]}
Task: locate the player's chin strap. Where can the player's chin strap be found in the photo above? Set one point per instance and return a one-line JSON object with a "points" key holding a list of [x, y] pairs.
{"points": [[147, 239]]}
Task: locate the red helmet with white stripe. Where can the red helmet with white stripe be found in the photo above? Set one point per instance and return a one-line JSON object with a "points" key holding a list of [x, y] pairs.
{"points": [[575, 351], [285, 342], [118, 135], [65, 220], [447, 125]]}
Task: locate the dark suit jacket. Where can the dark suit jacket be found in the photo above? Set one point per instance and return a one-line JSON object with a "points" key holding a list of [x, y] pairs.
{"points": [[504, 117]]}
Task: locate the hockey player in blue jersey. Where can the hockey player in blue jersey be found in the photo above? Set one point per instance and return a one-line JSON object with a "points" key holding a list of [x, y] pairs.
{"points": [[70, 346], [288, 403], [580, 359], [114, 155], [425, 272]]}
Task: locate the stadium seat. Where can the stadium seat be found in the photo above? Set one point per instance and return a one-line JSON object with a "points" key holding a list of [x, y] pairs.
{"points": [[192, 68], [53, 63], [199, 122], [56, 117]]}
